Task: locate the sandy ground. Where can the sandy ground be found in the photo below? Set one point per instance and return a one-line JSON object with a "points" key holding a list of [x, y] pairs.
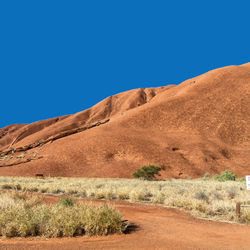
{"points": [[156, 228]]}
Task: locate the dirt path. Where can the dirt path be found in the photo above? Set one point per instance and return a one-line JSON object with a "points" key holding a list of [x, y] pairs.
{"points": [[158, 228]]}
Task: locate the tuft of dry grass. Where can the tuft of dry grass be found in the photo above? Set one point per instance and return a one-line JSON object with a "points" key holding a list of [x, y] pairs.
{"points": [[203, 198], [23, 214]]}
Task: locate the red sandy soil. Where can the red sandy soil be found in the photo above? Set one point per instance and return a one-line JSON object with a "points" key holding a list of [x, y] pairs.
{"points": [[158, 228], [199, 126]]}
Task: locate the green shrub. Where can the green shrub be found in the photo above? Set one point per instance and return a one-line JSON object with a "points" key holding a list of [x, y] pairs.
{"points": [[226, 175], [147, 172], [242, 179], [67, 202]]}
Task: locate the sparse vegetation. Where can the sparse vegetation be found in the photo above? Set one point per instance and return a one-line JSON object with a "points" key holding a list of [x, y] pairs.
{"points": [[67, 202], [147, 172], [225, 176], [207, 176], [22, 215], [202, 198], [201, 195]]}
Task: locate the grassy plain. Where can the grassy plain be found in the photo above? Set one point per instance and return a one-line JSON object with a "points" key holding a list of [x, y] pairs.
{"points": [[203, 198]]}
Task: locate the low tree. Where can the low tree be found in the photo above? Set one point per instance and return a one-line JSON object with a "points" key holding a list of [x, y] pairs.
{"points": [[147, 172]]}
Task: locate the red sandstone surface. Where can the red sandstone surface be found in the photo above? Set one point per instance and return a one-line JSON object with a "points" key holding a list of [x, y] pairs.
{"points": [[201, 125]]}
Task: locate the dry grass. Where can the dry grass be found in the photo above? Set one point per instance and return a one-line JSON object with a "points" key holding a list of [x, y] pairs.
{"points": [[23, 215], [202, 198]]}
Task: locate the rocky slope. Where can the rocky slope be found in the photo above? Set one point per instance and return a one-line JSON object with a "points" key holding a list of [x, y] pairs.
{"points": [[201, 125]]}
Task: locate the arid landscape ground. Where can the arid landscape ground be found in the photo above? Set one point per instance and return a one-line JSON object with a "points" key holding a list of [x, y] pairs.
{"points": [[157, 228], [199, 126]]}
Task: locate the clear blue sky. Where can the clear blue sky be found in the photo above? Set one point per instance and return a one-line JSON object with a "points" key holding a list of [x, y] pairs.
{"points": [[61, 57]]}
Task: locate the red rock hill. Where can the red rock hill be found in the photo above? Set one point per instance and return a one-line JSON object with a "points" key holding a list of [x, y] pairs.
{"points": [[199, 126]]}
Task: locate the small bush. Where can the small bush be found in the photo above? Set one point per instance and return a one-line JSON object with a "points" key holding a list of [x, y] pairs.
{"points": [[67, 202], [7, 186], [207, 176], [200, 195], [217, 195], [231, 193], [147, 172], [123, 196], [242, 179], [226, 175]]}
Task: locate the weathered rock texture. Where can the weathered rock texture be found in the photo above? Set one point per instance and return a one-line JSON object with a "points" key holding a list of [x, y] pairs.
{"points": [[199, 126]]}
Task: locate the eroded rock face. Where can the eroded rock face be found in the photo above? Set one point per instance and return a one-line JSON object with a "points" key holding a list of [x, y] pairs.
{"points": [[201, 125]]}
